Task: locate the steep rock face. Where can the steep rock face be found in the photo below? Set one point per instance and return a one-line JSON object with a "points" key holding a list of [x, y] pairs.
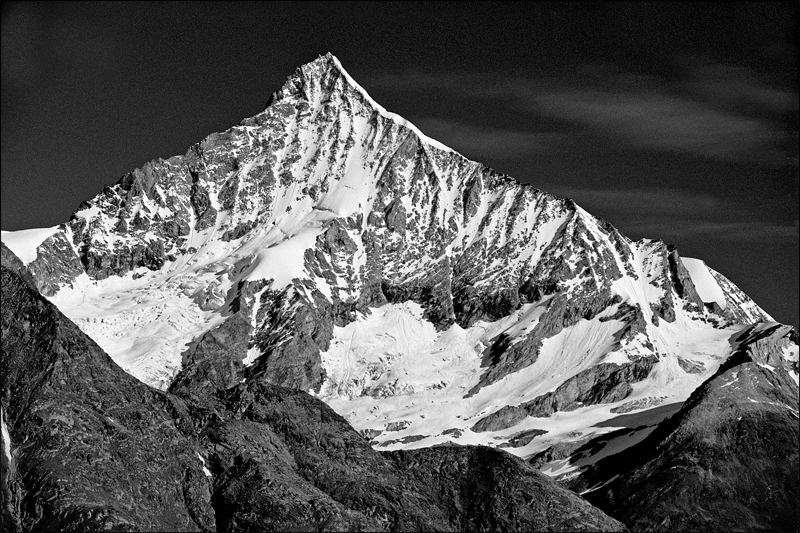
{"points": [[336, 210], [89, 448], [303, 447], [214, 361], [728, 460], [282, 460], [486, 490], [93, 448], [740, 309], [9, 260], [55, 265]]}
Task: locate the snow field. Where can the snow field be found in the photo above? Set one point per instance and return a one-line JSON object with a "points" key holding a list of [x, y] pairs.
{"points": [[24, 242], [392, 366]]}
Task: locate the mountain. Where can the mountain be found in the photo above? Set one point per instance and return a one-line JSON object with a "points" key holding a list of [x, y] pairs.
{"points": [[327, 245], [88, 447], [728, 460]]}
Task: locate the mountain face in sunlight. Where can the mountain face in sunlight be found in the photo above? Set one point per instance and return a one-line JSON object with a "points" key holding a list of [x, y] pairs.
{"points": [[329, 246]]}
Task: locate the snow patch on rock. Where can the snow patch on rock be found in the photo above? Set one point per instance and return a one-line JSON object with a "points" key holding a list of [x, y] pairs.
{"points": [[707, 287], [6, 436]]}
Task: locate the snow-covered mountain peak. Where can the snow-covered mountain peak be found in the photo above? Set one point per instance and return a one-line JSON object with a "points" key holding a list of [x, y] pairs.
{"points": [[317, 80], [327, 244]]}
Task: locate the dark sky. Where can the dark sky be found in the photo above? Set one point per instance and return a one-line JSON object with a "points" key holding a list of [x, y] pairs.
{"points": [[672, 121]]}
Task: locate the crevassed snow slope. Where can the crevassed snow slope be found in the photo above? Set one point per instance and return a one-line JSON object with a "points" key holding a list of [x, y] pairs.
{"points": [[143, 330], [392, 375]]}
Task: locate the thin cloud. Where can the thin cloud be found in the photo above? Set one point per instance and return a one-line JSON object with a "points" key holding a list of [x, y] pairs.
{"points": [[665, 122], [713, 111], [731, 85]]}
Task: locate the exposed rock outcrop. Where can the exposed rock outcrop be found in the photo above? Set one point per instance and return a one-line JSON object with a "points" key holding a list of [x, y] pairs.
{"points": [[56, 264], [603, 383]]}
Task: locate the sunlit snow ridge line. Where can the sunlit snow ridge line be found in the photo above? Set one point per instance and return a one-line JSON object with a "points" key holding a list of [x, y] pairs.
{"points": [[388, 114]]}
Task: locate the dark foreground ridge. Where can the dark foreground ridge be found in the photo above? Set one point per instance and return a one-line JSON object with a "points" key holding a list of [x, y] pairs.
{"points": [[727, 461], [93, 448]]}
